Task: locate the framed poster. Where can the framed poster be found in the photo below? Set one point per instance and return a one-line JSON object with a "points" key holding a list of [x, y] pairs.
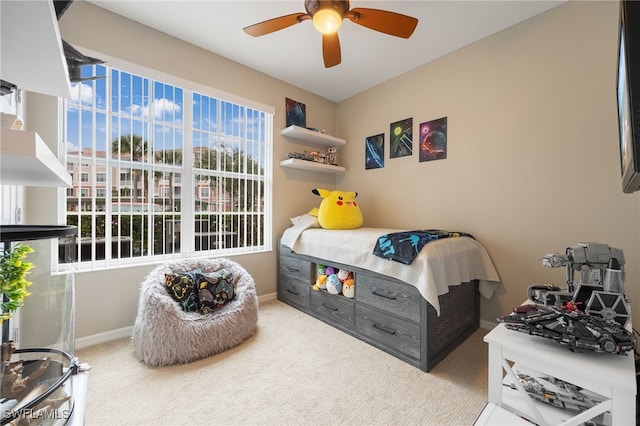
{"points": [[401, 138], [296, 113], [433, 140], [374, 152]]}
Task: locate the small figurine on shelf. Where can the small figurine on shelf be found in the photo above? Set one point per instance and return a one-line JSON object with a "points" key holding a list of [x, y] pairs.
{"points": [[332, 156]]}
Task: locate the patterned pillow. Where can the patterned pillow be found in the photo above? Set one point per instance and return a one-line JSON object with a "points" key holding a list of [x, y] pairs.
{"points": [[215, 289], [184, 289]]}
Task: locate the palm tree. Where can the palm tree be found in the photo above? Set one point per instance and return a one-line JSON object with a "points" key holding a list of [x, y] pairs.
{"points": [[135, 148], [172, 157]]}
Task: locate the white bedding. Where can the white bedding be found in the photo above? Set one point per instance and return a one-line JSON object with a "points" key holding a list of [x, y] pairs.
{"points": [[440, 264]]}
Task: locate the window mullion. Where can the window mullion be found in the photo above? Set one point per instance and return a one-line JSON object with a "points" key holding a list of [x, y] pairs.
{"points": [[187, 241]]}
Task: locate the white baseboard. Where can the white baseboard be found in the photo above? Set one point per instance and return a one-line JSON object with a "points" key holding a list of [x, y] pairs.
{"points": [[105, 337], [121, 333], [268, 297]]}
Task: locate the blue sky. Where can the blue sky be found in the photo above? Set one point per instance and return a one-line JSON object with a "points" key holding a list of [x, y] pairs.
{"points": [[158, 117]]}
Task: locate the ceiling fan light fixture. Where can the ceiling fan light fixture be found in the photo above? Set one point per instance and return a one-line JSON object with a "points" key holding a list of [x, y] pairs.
{"points": [[327, 20]]}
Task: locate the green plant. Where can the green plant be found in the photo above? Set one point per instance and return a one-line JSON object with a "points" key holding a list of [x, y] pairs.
{"points": [[13, 285]]}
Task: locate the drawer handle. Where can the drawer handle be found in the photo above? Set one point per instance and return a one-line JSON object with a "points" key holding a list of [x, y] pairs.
{"points": [[293, 292], [385, 295], [293, 269], [383, 328], [331, 308]]}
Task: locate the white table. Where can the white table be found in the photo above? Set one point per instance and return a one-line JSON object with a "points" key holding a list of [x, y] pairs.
{"points": [[609, 375]]}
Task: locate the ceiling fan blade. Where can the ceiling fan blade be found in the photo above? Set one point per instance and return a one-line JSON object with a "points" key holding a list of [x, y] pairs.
{"points": [[331, 50], [392, 23], [275, 24]]}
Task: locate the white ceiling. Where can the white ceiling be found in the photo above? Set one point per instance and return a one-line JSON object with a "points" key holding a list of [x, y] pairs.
{"points": [[294, 54]]}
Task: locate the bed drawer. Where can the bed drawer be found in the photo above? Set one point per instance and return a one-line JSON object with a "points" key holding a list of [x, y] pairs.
{"points": [[294, 280], [390, 296], [336, 310], [391, 333], [295, 293]]}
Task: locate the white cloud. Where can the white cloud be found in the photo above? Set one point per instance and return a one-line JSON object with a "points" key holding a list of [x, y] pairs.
{"points": [[70, 147], [160, 107], [82, 93]]}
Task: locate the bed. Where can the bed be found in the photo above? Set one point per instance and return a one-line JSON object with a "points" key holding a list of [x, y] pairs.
{"points": [[418, 312]]}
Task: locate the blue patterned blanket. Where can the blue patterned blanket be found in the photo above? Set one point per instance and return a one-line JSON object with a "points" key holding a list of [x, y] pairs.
{"points": [[404, 246]]}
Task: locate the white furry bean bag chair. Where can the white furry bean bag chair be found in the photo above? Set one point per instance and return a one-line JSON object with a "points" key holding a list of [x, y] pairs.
{"points": [[165, 334]]}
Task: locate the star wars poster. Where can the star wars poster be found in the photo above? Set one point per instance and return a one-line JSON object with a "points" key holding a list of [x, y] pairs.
{"points": [[374, 152], [401, 138], [433, 140]]}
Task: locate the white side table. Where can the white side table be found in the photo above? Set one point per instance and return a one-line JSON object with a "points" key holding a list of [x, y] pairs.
{"points": [[609, 375]]}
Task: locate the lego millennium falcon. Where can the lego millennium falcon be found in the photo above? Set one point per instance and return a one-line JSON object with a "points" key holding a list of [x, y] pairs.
{"points": [[557, 393], [576, 330]]}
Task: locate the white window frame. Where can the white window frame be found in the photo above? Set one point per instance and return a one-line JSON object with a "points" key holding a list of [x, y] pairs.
{"points": [[186, 174]]}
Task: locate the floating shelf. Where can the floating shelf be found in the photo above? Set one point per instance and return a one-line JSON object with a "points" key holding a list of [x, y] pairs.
{"points": [[32, 53], [26, 160], [295, 163], [311, 137]]}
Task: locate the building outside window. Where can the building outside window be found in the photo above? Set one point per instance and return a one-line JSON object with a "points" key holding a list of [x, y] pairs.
{"points": [[178, 171]]}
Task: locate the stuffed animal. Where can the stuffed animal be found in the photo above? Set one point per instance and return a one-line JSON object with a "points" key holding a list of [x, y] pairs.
{"points": [[321, 282], [334, 286], [349, 288], [338, 210], [343, 274], [330, 270]]}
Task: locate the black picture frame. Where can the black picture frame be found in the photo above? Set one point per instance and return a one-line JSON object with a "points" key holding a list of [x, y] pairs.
{"points": [[628, 95], [296, 113]]}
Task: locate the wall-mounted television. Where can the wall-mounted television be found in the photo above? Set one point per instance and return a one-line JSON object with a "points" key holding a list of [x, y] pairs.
{"points": [[628, 94]]}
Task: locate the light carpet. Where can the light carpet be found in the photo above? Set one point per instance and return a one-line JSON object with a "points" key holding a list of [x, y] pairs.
{"points": [[295, 370]]}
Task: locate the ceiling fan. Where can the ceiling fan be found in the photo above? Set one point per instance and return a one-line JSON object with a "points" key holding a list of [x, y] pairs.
{"points": [[327, 17]]}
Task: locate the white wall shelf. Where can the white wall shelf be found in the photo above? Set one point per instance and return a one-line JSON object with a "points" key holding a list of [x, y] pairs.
{"points": [[295, 163], [31, 50], [26, 160], [312, 137]]}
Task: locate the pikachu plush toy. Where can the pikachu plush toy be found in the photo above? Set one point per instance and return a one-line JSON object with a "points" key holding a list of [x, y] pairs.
{"points": [[338, 210]]}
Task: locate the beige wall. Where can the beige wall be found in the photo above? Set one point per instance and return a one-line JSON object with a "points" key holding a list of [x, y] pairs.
{"points": [[532, 163], [533, 160], [107, 300]]}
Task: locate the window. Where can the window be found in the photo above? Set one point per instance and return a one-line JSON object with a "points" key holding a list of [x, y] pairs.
{"points": [[204, 192], [179, 171]]}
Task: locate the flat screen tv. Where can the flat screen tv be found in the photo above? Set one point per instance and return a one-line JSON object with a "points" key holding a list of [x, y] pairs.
{"points": [[628, 94]]}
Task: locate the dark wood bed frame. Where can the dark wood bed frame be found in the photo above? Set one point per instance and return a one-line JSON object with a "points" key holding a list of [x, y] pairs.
{"points": [[385, 312]]}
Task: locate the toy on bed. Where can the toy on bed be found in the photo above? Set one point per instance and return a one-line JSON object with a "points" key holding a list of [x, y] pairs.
{"points": [[338, 210]]}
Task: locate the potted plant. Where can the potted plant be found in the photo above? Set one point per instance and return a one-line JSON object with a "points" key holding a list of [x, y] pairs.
{"points": [[13, 284]]}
